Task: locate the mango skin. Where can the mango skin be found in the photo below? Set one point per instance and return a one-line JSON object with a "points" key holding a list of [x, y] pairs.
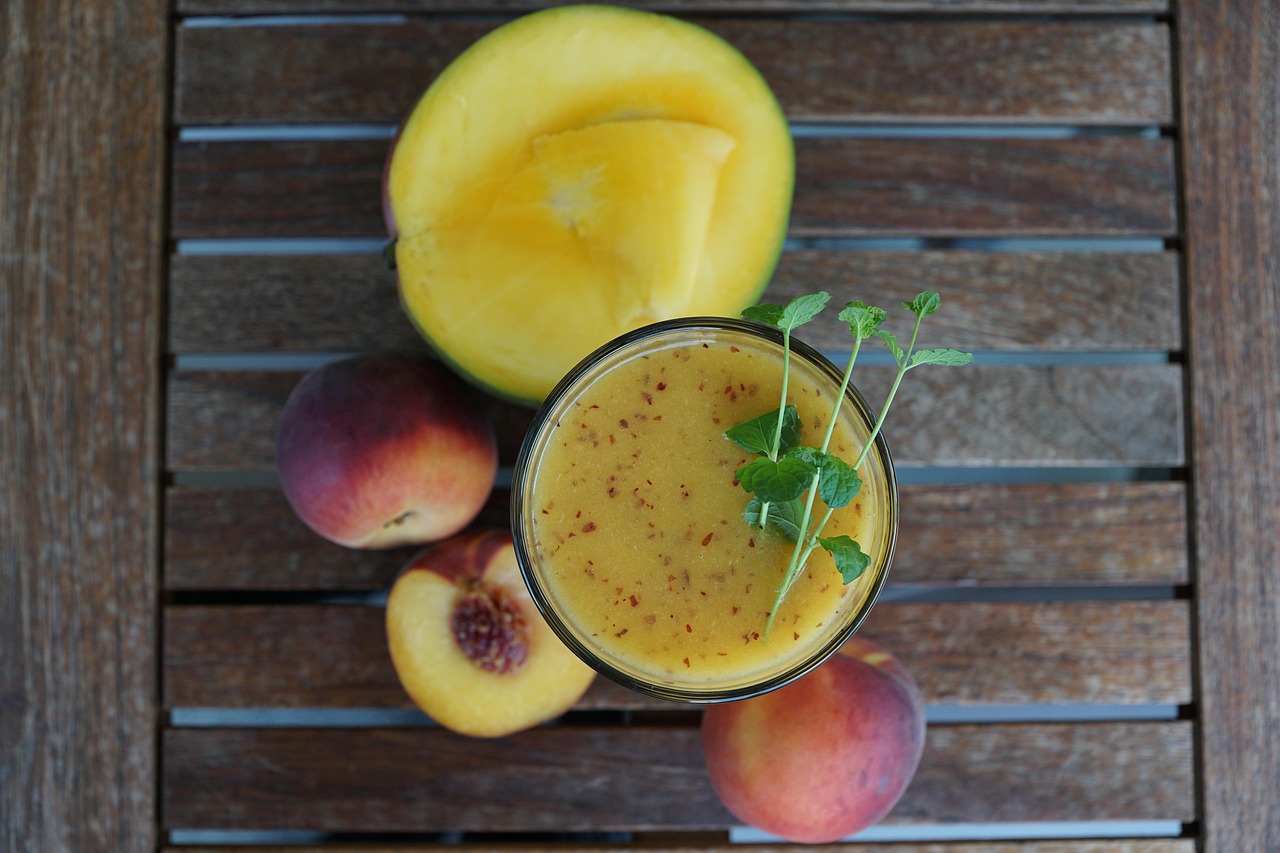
{"points": [[385, 449], [824, 757]]}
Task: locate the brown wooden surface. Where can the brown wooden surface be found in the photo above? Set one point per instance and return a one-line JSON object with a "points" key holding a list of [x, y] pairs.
{"points": [[1151, 845], [1082, 7], [1118, 186], [1030, 534], [82, 153], [641, 777], [1047, 301], [974, 71], [1230, 60], [83, 136], [662, 844], [1012, 416], [310, 656]]}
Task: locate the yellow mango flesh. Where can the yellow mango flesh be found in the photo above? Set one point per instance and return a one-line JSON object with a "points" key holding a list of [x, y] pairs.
{"points": [[579, 173], [623, 205]]}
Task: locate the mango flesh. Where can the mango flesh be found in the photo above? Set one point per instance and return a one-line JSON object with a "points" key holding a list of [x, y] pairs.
{"points": [[576, 174]]}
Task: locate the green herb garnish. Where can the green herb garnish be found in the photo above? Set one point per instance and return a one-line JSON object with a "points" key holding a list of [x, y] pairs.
{"points": [[788, 478]]}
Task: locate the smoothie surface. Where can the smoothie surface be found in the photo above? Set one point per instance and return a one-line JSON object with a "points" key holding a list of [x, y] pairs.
{"points": [[637, 517]]}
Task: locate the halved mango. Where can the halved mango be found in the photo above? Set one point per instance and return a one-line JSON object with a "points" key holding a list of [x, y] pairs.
{"points": [[575, 174]]}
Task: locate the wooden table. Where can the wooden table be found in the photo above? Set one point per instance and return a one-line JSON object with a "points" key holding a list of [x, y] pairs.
{"points": [[1086, 587]]}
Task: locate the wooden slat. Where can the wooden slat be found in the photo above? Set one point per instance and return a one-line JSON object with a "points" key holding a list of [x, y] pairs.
{"points": [[1053, 534], [82, 143], [227, 420], [819, 70], [1131, 652], [1078, 415], [737, 7], [1080, 186], [698, 844], [994, 300], [1231, 85], [640, 778], [249, 539]]}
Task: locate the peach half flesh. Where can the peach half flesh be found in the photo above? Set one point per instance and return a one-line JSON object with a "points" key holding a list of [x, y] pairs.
{"points": [[825, 756], [469, 645]]}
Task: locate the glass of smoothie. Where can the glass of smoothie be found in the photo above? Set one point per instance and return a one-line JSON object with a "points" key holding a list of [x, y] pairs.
{"points": [[628, 520]]}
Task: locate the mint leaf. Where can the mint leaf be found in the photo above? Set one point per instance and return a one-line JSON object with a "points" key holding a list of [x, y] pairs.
{"points": [[945, 357], [784, 516], [838, 482], [863, 319], [756, 435], [783, 480], [848, 554], [924, 304], [802, 309], [765, 312], [891, 342]]}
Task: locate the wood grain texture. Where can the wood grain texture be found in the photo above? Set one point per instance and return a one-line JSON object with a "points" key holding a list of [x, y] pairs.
{"points": [[317, 656], [1030, 534], [1058, 301], [819, 70], [640, 778], [699, 845], [1120, 186], [82, 152], [1230, 62], [250, 539], [737, 7], [1012, 416]]}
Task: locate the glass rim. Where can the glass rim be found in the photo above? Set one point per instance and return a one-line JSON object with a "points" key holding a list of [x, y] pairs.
{"points": [[550, 405]]}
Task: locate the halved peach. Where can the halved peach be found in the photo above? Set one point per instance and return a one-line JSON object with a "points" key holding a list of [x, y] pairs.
{"points": [[469, 645]]}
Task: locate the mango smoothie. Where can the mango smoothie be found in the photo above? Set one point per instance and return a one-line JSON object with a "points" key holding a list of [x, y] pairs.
{"points": [[629, 519]]}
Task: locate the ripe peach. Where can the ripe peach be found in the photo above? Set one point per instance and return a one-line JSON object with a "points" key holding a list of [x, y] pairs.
{"points": [[469, 645], [385, 449], [825, 756]]}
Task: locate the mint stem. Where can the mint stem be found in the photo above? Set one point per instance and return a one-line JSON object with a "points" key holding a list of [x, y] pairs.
{"points": [[893, 390], [782, 410], [797, 562]]}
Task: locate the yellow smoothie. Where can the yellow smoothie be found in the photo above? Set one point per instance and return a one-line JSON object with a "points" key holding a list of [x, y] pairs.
{"points": [[635, 517]]}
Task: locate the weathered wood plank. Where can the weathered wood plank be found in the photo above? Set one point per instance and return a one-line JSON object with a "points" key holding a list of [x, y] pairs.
{"points": [[316, 656], [1230, 63], [82, 143], [737, 7], [227, 420], [1014, 416], [699, 844], [819, 70], [1060, 301], [249, 539], [844, 186], [1059, 534], [640, 778]]}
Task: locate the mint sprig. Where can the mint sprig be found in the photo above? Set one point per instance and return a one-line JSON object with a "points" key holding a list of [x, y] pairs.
{"points": [[794, 314], [790, 477]]}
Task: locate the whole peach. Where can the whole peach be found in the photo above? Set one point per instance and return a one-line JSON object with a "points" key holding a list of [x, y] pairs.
{"points": [[385, 449], [825, 756]]}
